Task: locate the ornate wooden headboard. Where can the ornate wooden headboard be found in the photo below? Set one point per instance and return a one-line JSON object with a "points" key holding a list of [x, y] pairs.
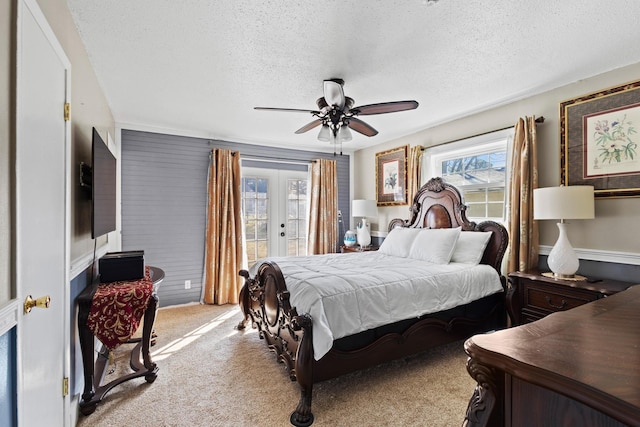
{"points": [[439, 205]]}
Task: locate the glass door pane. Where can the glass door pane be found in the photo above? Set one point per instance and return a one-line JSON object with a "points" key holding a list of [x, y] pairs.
{"points": [[296, 216]]}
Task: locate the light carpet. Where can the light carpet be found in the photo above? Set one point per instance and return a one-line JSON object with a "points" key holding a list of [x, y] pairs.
{"points": [[213, 375]]}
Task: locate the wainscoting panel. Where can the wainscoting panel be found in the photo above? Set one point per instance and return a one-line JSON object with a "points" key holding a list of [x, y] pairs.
{"points": [[164, 193]]}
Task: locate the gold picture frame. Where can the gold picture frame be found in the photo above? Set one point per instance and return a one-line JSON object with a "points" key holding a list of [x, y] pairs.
{"points": [[600, 143], [391, 177]]}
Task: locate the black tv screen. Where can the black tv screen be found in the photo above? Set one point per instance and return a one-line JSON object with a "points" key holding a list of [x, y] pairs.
{"points": [[103, 187]]}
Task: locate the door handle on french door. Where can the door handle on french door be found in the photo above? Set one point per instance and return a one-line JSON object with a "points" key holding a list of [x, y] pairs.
{"points": [[282, 234]]}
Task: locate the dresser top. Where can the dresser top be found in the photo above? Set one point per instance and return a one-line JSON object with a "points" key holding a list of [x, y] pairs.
{"points": [[590, 353]]}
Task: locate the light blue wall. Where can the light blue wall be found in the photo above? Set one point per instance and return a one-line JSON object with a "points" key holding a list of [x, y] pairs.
{"points": [[76, 377], [7, 378]]}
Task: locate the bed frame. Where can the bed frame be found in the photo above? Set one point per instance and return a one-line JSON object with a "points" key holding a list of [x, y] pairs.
{"points": [[265, 300]]}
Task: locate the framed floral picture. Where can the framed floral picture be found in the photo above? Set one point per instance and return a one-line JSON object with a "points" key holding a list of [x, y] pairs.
{"points": [[391, 176], [599, 141]]}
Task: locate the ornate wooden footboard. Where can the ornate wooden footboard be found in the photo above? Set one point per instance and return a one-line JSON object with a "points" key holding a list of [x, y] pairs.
{"points": [[264, 299]]}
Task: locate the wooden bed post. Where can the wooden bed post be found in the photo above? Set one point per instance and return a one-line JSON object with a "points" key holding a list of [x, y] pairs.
{"points": [[302, 416]]}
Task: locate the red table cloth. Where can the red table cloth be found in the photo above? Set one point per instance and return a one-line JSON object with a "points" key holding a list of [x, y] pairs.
{"points": [[117, 309]]}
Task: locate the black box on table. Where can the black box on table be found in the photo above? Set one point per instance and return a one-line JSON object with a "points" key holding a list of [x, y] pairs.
{"points": [[121, 266]]}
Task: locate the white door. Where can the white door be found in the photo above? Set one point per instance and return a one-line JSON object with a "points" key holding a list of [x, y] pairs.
{"points": [[42, 189], [275, 212]]}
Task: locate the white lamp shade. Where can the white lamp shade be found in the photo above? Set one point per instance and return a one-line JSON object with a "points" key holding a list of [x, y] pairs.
{"points": [[364, 208], [571, 202]]}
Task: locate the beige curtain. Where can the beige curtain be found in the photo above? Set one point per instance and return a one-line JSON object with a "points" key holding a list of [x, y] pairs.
{"points": [[413, 171], [323, 208], [523, 230], [224, 249]]}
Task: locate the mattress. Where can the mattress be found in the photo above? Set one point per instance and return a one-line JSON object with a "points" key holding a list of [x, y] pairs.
{"points": [[349, 293]]}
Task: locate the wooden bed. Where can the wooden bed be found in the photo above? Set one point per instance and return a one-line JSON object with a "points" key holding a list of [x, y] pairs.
{"points": [[264, 299]]}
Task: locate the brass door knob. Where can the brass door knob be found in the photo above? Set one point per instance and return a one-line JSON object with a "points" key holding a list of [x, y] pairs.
{"points": [[42, 302]]}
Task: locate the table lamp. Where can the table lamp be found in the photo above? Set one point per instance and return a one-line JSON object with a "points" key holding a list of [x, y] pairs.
{"points": [[570, 202], [364, 209]]}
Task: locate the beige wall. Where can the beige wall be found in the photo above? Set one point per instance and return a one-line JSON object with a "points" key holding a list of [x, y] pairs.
{"points": [[614, 217], [7, 37], [89, 108]]}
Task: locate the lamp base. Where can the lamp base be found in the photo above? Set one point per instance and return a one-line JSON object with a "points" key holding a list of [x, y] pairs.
{"points": [[562, 259], [574, 277], [363, 234]]}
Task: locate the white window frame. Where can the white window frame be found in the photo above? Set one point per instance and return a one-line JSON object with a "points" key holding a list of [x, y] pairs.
{"points": [[476, 145]]}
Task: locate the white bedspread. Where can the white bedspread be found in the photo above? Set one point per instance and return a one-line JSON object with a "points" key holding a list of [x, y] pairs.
{"points": [[349, 293]]}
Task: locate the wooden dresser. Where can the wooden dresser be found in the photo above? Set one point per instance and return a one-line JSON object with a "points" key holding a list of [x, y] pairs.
{"points": [[579, 367]]}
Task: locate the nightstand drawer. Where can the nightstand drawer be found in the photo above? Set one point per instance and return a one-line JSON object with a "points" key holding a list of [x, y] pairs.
{"points": [[551, 299]]}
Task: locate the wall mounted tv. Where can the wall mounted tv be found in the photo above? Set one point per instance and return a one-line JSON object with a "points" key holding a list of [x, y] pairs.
{"points": [[103, 187]]}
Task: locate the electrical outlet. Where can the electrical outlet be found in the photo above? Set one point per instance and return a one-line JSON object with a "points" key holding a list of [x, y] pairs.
{"points": [[187, 284]]}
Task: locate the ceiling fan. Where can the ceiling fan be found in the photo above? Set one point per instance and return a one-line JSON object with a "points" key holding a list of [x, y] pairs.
{"points": [[336, 113]]}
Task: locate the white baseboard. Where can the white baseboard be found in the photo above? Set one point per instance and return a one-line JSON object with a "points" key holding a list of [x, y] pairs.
{"points": [[598, 255]]}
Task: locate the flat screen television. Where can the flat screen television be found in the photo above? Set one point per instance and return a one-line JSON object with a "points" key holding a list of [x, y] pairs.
{"points": [[103, 187]]}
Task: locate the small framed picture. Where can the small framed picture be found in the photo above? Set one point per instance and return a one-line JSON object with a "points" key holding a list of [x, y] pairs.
{"points": [[391, 176]]}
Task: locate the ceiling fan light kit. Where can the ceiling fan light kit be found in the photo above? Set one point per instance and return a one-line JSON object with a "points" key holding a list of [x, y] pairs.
{"points": [[325, 134], [336, 114]]}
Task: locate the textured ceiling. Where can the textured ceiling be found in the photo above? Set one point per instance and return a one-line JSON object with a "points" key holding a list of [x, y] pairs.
{"points": [[200, 66]]}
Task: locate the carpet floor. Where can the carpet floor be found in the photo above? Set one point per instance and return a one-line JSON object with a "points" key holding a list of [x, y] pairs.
{"points": [[213, 375]]}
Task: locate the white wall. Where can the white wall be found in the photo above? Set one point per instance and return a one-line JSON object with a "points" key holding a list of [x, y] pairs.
{"points": [[7, 37], [615, 218]]}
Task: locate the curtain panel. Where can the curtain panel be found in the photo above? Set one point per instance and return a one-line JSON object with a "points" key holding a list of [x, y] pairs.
{"points": [[323, 208], [523, 230], [224, 251], [414, 170]]}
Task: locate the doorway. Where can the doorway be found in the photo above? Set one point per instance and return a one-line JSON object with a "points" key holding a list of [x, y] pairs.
{"points": [[274, 206]]}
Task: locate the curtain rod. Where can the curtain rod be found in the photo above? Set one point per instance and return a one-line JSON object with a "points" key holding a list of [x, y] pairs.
{"points": [[538, 120], [275, 159]]}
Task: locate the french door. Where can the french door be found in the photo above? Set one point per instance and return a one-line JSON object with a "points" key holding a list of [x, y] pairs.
{"points": [[274, 206]]}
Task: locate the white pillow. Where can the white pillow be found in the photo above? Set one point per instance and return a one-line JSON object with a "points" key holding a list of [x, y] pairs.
{"points": [[435, 245], [398, 242], [470, 247]]}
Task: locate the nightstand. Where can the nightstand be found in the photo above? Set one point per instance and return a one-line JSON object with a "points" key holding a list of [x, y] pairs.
{"points": [[532, 296], [358, 248]]}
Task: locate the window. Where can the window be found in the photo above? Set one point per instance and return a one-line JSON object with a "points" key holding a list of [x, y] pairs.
{"points": [[478, 167]]}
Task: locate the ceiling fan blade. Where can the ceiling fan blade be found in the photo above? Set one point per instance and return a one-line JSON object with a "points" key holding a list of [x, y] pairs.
{"points": [[361, 127], [295, 110], [385, 107], [333, 92], [309, 126]]}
